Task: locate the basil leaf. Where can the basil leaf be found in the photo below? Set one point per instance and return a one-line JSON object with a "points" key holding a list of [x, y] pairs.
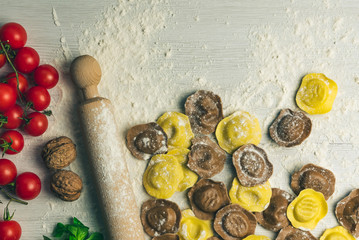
{"points": [[96, 236], [72, 229], [75, 231], [78, 223], [72, 238], [59, 230], [82, 233]]}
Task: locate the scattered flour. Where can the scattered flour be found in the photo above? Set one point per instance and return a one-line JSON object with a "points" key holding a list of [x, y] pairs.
{"points": [[55, 17], [148, 70]]}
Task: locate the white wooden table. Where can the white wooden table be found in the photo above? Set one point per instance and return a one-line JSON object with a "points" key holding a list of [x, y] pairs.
{"points": [[216, 41]]}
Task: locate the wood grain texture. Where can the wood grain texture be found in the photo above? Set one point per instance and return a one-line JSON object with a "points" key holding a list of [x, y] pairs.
{"points": [[112, 179]]}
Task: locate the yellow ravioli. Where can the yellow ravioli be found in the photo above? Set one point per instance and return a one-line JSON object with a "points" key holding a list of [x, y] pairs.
{"points": [[178, 129], [316, 94], [306, 210], [236, 130], [254, 199], [189, 177], [162, 176], [337, 233], [192, 228], [256, 237]]}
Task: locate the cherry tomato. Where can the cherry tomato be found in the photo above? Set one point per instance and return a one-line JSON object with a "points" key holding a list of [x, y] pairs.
{"points": [[37, 125], [39, 97], [8, 172], [2, 60], [12, 142], [27, 186], [10, 230], [14, 33], [7, 97], [14, 117], [26, 60], [12, 81], [46, 76]]}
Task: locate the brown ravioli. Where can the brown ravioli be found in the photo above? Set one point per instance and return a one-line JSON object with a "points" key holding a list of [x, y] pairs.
{"points": [[167, 236], [204, 110], [234, 222], [274, 217], [290, 128], [252, 165], [291, 233], [347, 212], [146, 140], [160, 216], [314, 177], [206, 158], [213, 238], [207, 197]]}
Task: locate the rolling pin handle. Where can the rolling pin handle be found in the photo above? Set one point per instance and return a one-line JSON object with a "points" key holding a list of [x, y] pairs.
{"points": [[114, 185], [86, 73], [90, 92]]}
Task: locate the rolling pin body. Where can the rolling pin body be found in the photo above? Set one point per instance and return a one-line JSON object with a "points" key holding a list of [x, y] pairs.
{"points": [[109, 168]]}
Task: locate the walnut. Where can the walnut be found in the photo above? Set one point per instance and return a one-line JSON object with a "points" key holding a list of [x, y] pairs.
{"points": [[59, 153], [66, 184]]}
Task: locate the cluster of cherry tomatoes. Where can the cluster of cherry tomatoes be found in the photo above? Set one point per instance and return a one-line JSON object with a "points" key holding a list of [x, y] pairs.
{"points": [[26, 186], [17, 94], [23, 105]]}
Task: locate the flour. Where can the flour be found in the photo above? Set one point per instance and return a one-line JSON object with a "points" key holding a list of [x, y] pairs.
{"points": [[55, 17], [153, 57]]}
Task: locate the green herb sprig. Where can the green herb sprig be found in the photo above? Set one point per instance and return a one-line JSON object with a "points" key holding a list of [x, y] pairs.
{"points": [[75, 231]]}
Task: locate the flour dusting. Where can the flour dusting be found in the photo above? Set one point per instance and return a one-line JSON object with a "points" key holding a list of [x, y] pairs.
{"points": [[153, 56]]}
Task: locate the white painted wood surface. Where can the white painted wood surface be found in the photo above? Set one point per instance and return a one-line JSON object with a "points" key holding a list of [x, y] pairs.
{"points": [[217, 44]]}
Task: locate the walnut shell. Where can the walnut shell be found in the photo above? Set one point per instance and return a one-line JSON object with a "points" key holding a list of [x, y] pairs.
{"points": [[59, 153], [66, 184]]}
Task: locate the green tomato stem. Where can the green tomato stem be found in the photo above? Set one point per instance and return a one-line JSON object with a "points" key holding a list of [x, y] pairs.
{"points": [[11, 197], [14, 68]]}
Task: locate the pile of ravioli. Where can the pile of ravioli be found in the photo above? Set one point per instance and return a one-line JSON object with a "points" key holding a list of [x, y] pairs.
{"points": [[184, 154]]}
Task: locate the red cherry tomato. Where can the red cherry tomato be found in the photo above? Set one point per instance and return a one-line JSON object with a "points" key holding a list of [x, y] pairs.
{"points": [[12, 81], [27, 186], [14, 117], [46, 76], [7, 97], [2, 60], [10, 230], [37, 125], [39, 97], [14, 33], [12, 142], [8, 172], [26, 60]]}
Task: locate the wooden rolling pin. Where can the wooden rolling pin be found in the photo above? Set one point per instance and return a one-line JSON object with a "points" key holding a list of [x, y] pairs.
{"points": [[109, 166]]}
